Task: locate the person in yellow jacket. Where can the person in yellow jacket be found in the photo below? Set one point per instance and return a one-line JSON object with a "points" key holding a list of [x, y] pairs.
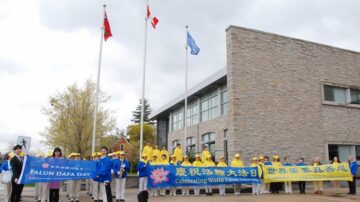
{"points": [[178, 153], [237, 162], [275, 187], [209, 163], [336, 183], [173, 162], [155, 161], [186, 162], [157, 152], [318, 185], [263, 184], [222, 163], [147, 150], [197, 163], [165, 151], [205, 153], [256, 187], [164, 162]]}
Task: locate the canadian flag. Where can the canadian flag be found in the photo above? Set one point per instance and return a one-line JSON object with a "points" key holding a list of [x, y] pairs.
{"points": [[154, 20]]}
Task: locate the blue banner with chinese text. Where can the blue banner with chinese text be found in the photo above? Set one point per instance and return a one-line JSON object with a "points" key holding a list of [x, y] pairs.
{"points": [[173, 176], [51, 169]]}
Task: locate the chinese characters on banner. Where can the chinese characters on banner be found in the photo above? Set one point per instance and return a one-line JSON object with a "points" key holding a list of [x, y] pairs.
{"points": [[339, 171], [173, 176]]}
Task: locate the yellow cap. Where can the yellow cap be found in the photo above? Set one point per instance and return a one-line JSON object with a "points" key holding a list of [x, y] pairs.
{"points": [[155, 155], [255, 159], [98, 154], [197, 156], [144, 155], [237, 155], [276, 157], [122, 153], [173, 156], [261, 157], [186, 156], [76, 154], [71, 155], [208, 156], [49, 154], [222, 157], [93, 154]]}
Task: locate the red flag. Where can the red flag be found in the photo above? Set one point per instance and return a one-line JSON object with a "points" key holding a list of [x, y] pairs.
{"points": [[154, 20], [107, 30]]}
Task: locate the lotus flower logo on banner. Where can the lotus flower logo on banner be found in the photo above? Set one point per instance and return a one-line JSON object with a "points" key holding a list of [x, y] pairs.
{"points": [[159, 175]]}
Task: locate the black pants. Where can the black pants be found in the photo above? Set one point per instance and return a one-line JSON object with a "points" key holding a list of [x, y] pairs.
{"points": [[352, 186], [16, 192], [54, 195], [302, 185], [108, 191]]}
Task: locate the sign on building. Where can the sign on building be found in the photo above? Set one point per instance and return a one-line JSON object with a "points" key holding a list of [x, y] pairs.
{"points": [[24, 141]]}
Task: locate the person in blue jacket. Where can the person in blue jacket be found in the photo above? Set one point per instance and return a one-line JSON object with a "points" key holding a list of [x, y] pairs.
{"points": [[143, 173], [121, 168], [354, 168], [6, 166], [103, 175], [302, 184]]}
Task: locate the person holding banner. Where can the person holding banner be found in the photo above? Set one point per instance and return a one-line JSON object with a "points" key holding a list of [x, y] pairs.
{"points": [[197, 163], [163, 161], [302, 184], [143, 174], [103, 175], [41, 188], [262, 185], [174, 162], [336, 183], [164, 151], [267, 185], [6, 167], [354, 168], [222, 163], [237, 162], [209, 163], [69, 182], [54, 187], [155, 161], [185, 190], [256, 186], [16, 167], [288, 187], [96, 183], [318, 185], [75, 185]]}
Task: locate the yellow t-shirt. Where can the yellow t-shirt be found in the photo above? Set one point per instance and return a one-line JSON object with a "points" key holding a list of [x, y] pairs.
{"points": [[221, 164], [258, 167], [204, 155], [166, 153], [179, 154], [197, 164], [147, 151], [237, 163], [186, 163], [209, 164]]}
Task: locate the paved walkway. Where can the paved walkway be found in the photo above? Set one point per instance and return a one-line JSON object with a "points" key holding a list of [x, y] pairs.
{"points": [[131, 196]]}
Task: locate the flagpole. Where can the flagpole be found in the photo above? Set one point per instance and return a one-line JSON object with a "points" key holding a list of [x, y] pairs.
{"points": [[143, 83], [97, 83], [186, 88]]}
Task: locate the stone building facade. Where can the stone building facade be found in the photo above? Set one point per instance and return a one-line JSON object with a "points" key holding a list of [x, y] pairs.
{"points": [[286, 96]]}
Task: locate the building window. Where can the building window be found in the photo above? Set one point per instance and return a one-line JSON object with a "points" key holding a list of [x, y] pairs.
{"points": [[209, 141], [177, 119], [192, 114], [357, 149], [121, 147], [190, 147], [226, 145], [335, 94], [355, 96], [333, 151], [209, 106], [224, 102]]}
